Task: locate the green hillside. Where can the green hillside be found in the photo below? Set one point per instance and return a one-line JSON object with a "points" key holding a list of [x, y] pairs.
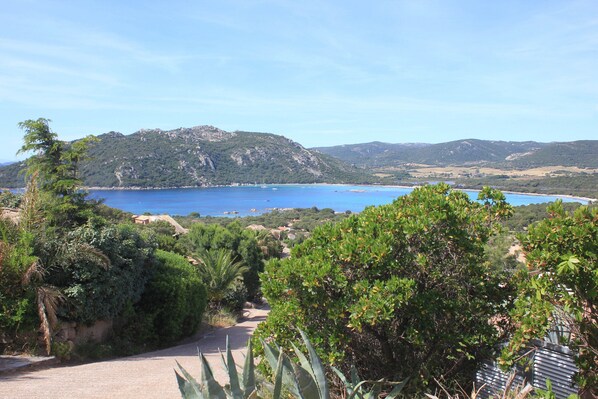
{"points": [[508, 154], [201, 156]]}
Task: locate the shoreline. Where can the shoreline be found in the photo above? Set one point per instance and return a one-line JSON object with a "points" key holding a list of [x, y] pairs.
{"points": [[587, 200]]}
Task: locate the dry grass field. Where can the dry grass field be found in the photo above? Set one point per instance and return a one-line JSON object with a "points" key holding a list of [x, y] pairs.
{"points": [[454, 172]]}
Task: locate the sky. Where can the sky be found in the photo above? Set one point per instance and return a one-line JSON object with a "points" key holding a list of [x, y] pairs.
{"points": [[319, 72]]}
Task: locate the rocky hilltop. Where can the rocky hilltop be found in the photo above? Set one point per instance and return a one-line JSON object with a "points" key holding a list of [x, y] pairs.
{"points": [[201, 156]]}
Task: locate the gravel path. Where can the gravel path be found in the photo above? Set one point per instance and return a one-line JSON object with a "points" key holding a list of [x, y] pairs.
{"points": [[149, 375]]}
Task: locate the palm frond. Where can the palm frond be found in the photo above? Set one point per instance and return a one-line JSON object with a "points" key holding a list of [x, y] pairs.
{"points": [[48, 300], [33, 272], [219, 271], [98, 254]]}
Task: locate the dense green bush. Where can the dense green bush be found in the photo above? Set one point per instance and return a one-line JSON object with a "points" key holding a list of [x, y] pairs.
{"points": [[174, 299], [401, 290], [99, 269]]}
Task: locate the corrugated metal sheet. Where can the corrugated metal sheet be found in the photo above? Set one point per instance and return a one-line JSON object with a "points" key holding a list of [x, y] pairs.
{"points": [[551, 361], [491, 381], [556, 365]]}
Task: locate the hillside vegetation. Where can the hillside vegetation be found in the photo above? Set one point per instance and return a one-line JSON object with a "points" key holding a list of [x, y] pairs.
{"points": [[506, 154], [201, 156]]}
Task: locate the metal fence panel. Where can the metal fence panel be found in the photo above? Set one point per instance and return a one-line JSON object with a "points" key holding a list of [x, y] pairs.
{"points": [[551, 361], [559, 367]]}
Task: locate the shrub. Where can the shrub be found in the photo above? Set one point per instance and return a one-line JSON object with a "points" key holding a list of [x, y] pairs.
{"points": [[401, 290], [235, 297], [174, 298], [99, 269]]}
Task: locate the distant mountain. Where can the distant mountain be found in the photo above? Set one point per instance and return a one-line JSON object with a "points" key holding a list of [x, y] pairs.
{"points": [[470, 152], [201, 156], [583, 153]]}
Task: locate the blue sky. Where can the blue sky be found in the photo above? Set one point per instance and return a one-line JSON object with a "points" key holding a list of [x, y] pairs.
{"points": [[319, 72]]}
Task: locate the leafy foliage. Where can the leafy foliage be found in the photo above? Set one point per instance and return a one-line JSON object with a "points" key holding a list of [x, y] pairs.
{"points": [[173, 301], [99, 268], [240, 242], [401, 290], [57, 167], [17, 302], [561, 286], [22, 283], [219, 273]]}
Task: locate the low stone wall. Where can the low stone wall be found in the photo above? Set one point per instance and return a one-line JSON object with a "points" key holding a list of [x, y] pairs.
{"points": [[77, 333]]}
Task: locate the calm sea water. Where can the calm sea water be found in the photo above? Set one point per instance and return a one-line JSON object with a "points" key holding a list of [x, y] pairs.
{"points": [[252, 200]]}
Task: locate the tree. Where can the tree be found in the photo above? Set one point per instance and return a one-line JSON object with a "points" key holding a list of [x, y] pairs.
{"points": [[57, 166], [219, 272], [22, 275], [240, 242], [560, 287], [401, 290]]}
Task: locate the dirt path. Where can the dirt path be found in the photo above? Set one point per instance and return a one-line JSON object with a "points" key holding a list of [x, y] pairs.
{"points": [[149, 375]]}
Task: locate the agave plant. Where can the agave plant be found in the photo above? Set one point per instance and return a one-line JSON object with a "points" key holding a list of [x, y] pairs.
{"points": [[306, 379], [208, 387]]}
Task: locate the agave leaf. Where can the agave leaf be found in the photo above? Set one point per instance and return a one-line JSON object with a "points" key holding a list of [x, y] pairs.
{"points": [[190, 382], [210, 387], [355, 379], [349, 386], [304, 361], [357, 392], [272, 354], [233, 375], [187, 389], [249, 373], [373, 393], [305, 375], [396, 390], [318, 368], [306, 383], [278, 377], [188, 376]]}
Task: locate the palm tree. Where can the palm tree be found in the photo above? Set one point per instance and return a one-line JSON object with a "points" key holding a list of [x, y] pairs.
{"points": [[219, 271], [20, 270]]}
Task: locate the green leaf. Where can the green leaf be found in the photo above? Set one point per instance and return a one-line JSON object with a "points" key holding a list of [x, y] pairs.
{"points": [[318, 368], [249, 372], [278, 377], [233, 375], [396, 391], [210, 387], [188, 386]]}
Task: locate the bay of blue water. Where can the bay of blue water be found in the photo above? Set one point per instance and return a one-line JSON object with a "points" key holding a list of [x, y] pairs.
{"points": [[253, 200]]}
